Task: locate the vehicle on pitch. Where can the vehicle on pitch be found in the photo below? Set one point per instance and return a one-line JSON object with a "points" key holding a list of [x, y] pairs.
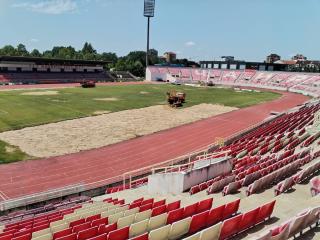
{"points": [[88, 84]]}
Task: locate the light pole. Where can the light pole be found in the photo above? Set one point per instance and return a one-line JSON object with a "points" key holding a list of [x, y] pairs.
{"points": [[148, 13]]}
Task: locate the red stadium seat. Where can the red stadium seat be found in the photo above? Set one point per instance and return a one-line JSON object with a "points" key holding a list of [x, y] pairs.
{"points": [[231, 208], [145, 207], [265, 211], [159, 203], [190, 210], [6, 237], [158, 210], [148, 201], [249, 219], [175, 215], [119, 234], [100, 221], [27, 236], [141, 237], [194, 190], [198, 222], [215, 215], [230, 227], [138, 200], [77, 222], [81, 227], [94, 217], [72, 236], [107, 228], [134, 205], [173, 206], [103, 236], [204, 205], [88, 233], [62, 233]]}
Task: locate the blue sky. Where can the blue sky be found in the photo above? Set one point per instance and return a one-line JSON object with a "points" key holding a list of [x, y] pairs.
{"points": [[196, 29]]}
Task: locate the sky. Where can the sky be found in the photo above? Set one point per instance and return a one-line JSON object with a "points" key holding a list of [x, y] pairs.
{"points": [[194, 29]]}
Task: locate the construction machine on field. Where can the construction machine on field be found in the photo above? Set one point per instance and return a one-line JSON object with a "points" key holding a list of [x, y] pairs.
{"points": [[176, 99]]}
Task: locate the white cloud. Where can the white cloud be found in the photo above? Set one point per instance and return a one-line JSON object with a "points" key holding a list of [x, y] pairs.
{"points": [[34, 40], [49, 6], [190, 44]]}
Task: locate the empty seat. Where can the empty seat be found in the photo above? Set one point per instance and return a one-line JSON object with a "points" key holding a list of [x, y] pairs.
{"points": [[107, 228], [138, 228], [125, 221], [198, 222], [62, 233], [204, 205], [100, 221], [141, 237], [77, 222], [231, 209], [280, 233], [297, 224], [160, 233], [88, 233], [158, 210], [265, 211], [230, 227], [157, 221], [249, 219], [215, 215], [173, 206], [119, 234], [100, 237], [142, 215], [47, 236], [175, 215], [190, 210], [179, 228], [211, 233], [72, 236]]}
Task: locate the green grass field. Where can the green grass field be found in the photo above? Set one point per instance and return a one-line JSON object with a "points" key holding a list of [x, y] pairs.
{"points": [[10, 154], [19, 111]]}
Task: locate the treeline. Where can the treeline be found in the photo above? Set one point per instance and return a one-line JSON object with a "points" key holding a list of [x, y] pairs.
{"points": [[134, 62]]}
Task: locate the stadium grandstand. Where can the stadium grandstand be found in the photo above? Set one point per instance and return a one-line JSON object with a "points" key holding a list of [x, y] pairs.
{"points": [[30, 70], [305, 83]]}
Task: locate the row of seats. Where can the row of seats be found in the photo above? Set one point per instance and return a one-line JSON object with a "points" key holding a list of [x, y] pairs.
{"points": [[292, 227], [289, 182], [121, 222], [49, 208], [276, 140], [300, 82], [26, 228], [235, 225], [53, 77]]}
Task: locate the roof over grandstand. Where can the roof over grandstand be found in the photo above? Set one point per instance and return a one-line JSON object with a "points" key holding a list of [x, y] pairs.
{"points": [[40, 60]]}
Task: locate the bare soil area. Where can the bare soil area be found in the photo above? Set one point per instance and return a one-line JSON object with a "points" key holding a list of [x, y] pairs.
{"points": [[92, 132]]}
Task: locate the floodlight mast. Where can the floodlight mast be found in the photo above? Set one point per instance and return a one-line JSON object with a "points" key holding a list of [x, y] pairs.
{"points": [[149, 6]]}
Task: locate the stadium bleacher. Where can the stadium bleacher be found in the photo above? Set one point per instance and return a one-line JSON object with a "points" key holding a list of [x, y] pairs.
{"points": [[26, 78], [308, 84]]}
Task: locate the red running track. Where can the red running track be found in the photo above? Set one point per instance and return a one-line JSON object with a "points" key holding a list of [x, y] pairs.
{"points": [[34, 176]]}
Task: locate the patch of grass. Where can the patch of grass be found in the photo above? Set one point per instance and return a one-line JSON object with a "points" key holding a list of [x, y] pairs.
{"points": [[19, 111], [9, 154]]}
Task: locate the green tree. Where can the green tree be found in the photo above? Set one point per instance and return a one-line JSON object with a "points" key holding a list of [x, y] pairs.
{"points": [[22, 50], [35, 53], [88, 49], [8, 50]]}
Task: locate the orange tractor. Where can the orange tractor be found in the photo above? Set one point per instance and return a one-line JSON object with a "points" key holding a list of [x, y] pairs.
{"points": [[176, 99]]}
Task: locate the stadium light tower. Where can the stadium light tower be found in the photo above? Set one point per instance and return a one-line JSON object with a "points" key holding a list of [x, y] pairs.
{"points": [[148, 13]]}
